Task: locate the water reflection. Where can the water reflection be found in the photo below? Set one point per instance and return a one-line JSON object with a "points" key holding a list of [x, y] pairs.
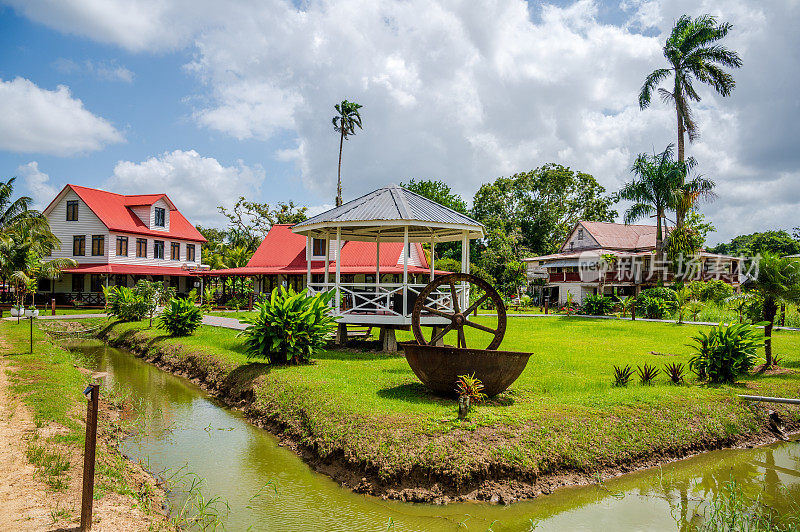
{"points": [[269, 488]]}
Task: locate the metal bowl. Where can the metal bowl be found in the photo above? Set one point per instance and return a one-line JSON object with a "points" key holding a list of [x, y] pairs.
{"points": [[439, 367]]}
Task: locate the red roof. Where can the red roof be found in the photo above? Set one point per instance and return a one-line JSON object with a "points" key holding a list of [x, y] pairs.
{"points": [[621, 236], [114, 210], [284, 252], [131, 269]]}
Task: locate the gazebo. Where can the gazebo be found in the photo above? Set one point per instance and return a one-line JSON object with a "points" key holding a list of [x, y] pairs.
{"points": [[389, 214]]}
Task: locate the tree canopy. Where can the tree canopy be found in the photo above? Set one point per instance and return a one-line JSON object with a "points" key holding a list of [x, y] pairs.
{"points": [[438, 191], [779, 242]]}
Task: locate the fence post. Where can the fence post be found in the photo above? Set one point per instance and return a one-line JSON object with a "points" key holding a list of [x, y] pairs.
{"points": [[92, 393], [633, 310], [53, 306]]}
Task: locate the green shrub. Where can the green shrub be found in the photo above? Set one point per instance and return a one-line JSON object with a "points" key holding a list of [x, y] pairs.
{"points": [[289, 327], [725, 353], [714, 290], [180, 317], [622, 376], [597, 305], [654, 308], [125, 305]]}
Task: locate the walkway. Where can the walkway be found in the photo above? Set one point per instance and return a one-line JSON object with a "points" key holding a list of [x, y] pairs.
{"points": [[227, 323]]}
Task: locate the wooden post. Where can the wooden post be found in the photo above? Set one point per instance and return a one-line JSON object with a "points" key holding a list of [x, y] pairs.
{"points": [[546, 301], [338, 268], [53, 306], [92, 392], [250, 302], [633, 310]]}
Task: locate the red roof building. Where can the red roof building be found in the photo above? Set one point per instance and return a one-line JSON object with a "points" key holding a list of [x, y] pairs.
{"points": [[116, 239], [282, 259]]}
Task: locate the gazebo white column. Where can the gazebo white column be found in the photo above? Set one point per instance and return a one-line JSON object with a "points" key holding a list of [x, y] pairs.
{"points": [[308, 262], [327, 258], [433, 246], [338, 267], [377, 264], [405, 271]]}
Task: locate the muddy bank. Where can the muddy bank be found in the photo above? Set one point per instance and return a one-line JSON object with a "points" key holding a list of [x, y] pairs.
{"points": [[242, 387]]}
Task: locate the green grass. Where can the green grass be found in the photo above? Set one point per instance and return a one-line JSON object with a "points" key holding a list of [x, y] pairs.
{"points": [[563, 412]]}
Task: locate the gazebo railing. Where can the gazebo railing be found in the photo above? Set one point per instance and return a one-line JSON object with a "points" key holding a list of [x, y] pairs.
{"points": [[384, 299]]}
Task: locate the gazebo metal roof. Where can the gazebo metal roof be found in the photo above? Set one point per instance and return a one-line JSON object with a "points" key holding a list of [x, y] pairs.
{"points": [[387, 212]]}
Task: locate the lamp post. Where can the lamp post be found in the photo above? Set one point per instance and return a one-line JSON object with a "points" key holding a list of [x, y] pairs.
{"points": [[31, 314]]}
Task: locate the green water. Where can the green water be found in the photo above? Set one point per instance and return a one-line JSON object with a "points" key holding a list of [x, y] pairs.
{"points": [[269, 488]]}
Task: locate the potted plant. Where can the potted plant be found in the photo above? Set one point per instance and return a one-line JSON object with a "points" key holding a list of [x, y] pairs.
{"points": [[31, 312], [16, 311]]}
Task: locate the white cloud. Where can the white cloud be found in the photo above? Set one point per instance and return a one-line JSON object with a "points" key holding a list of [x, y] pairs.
{"points": [[470, 91], [196, 184], [36, 184], [38, 120], [104, 70]]}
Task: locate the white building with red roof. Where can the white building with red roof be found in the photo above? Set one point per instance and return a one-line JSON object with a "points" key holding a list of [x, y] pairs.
{"points": [[608, 258], [117, 239]]}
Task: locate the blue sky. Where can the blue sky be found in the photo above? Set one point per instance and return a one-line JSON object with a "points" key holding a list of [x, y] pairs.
{"points": [[208, 101]]}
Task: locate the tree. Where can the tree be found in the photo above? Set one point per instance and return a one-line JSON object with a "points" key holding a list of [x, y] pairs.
{"points": [[440, 192], [652, 191], [690, 238], [249, 221], [345, 124], [778, 281], [542, 206], [778, 242], [692, 54]]}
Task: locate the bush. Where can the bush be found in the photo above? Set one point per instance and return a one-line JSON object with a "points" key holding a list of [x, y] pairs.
{"points": [[125, 305], [289, 327], [714, 290], [597, 305], [725, 353], [654, 308], [180, 317]]}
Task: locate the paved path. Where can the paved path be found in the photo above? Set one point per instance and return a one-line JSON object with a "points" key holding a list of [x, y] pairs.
{"points": [[63, 317], [228, 323]]}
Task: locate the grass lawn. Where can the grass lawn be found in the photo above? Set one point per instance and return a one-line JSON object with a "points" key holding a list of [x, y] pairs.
{"points": [[562, 413]]}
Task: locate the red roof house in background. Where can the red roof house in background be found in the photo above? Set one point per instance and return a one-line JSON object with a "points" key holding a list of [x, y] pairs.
{"points": [[282, 259]]}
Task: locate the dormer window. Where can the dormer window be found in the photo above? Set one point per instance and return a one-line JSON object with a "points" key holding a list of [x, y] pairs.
{"points": [[72, 210], [318, 247], [160, 217]]}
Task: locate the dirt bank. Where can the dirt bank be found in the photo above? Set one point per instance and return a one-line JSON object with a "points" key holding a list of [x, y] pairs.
{"points": [[28, 498], [242, 387]]}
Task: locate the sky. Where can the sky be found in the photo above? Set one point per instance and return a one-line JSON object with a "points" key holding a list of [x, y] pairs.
{"points": [[208, 101]]}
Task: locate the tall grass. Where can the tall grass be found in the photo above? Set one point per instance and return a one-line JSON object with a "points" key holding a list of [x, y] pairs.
{"points": [[731, 510]]}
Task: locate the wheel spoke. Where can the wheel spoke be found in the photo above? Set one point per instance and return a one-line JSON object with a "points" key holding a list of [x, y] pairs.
{"points": [[456, 306], [462, 340], [475, 305], [441, 334], [437, 312], [480, 327]]}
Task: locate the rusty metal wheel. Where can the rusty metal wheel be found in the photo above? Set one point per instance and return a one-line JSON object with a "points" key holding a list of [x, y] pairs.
{"points": [[440, 298]]}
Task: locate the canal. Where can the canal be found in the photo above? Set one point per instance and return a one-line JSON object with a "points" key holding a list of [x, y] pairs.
{"points": [[185, 435]]}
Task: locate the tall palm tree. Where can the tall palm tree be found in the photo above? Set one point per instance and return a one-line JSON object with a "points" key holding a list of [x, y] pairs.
{"points": [[652, 190], [693, 54], [778, 281], [14, 213], [345, 124]]}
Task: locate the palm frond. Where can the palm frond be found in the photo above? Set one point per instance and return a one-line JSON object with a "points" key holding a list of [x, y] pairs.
{"points": [[650, 83]]}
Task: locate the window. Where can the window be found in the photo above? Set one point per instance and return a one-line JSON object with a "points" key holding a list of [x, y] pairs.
{"points": [[190, 253], [319, 247], [98, 245], [122, 246], [175, 251], [158, 249], [580, 234], [121, 279], [160, 217], [141, 247], [571, 246], [79, 245], [77, 282], [95, 283], [72, 210]]}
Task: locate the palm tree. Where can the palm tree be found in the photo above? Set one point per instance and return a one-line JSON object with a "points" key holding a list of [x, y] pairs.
{"points": [[692, 55], [778, 281], [345, 124], [652, 190]]}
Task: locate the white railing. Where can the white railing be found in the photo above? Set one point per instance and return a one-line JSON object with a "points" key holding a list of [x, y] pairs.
{"points": [[384, 299]]}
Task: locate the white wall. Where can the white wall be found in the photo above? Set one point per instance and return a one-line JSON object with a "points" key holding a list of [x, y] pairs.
{"points": [[87, 224], [587, 242]]}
